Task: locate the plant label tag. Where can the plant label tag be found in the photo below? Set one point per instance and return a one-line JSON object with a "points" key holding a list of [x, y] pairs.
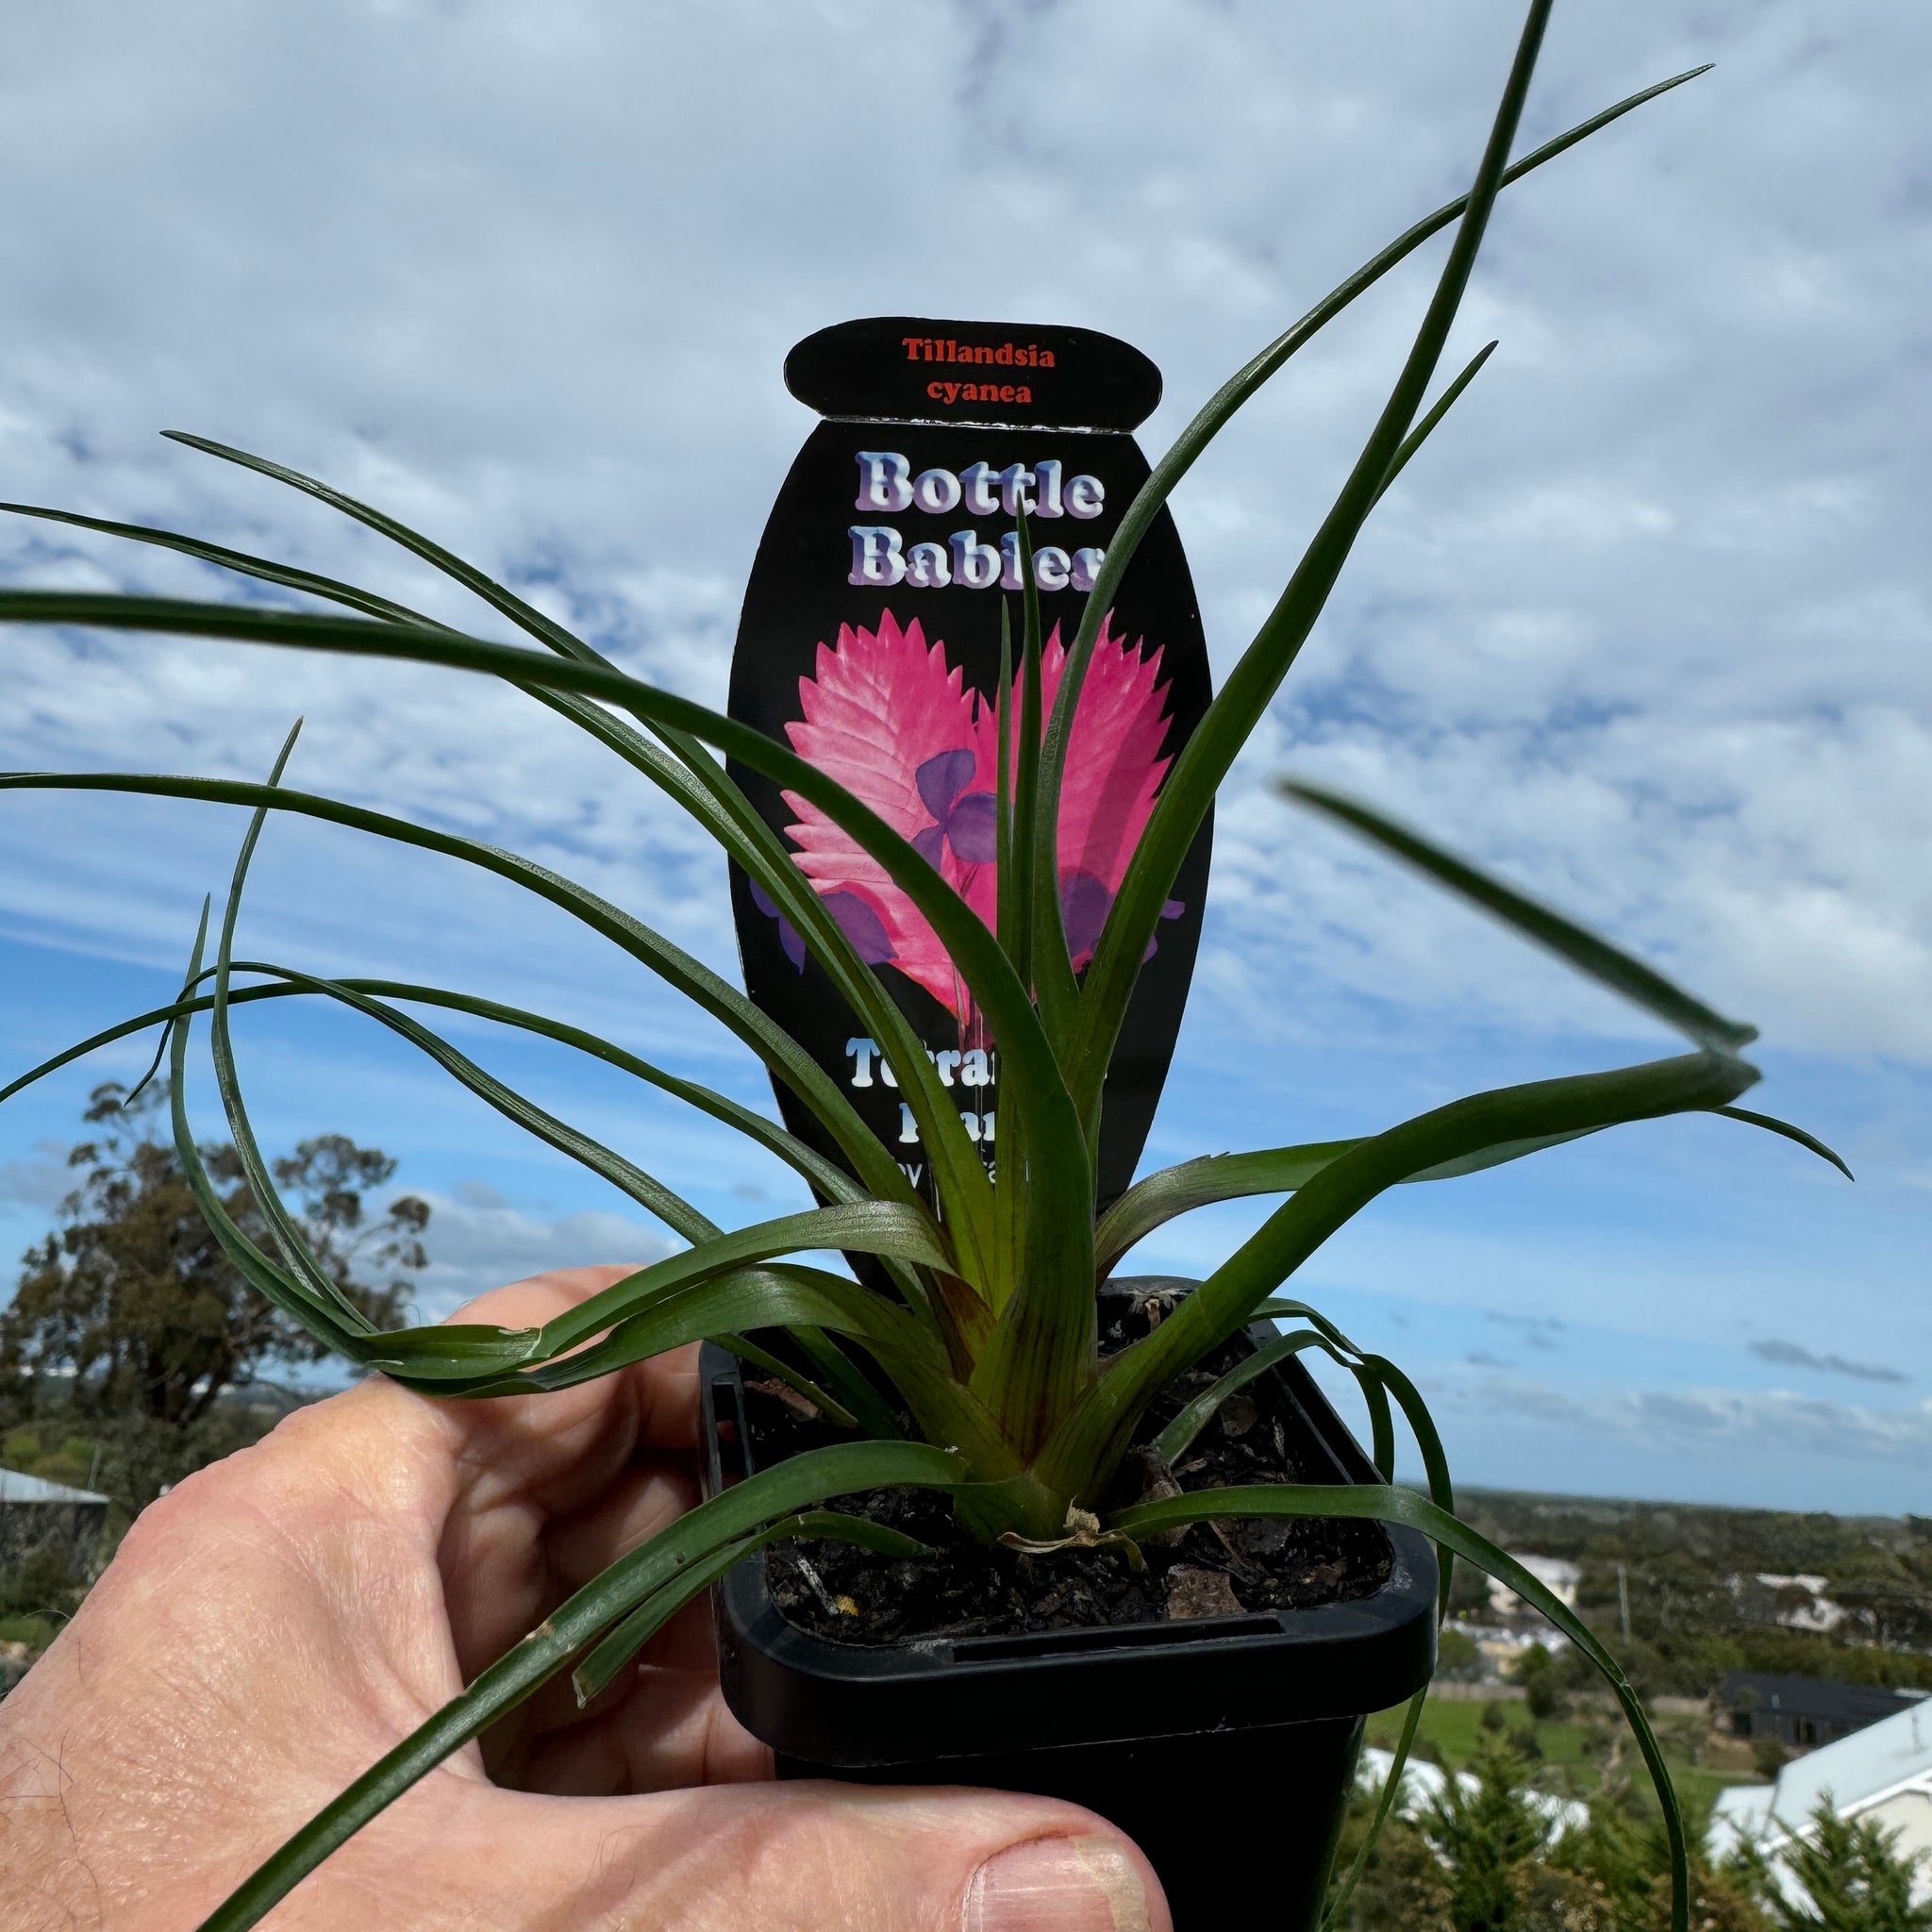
{"points": [[870, 643]]}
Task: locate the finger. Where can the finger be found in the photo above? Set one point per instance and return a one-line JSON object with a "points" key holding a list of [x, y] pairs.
{"points": [[754, 1858], [687, 1642], [505, 1568], [550, 1454], [557, 1448], [802, 1856], [546, 1494], [661, 1723], [658, 1730], [654, 1492], [467, 1490]]}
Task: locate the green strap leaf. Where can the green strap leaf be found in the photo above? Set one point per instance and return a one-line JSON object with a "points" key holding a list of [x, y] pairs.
{"points": [[1110, 978], [1535, 1110], [373, 997], [688, 774], [1421, 433], [842, 1470], [1012, 907], [601, 1667], [1008, 903], [695, 782], [1175, 1440], [1214, 416], [707, 1292], [658, 1307], [1383, 1504], [1049, 968], [1375, 1377], [1333, 1913], [775, 1365], [870, 1227], [1247, 381], [1028, 944], [683, 772], [1593, 957], [1381, 1421], [1421, 1425], [1377, 1374], [339, 1325], [1095, 1435], [1030, 1076], [781, 1296], [525, 616], [1044, 1347], [1772, 1124], [290, 1240], [286, 574], [853, 1386], [1213, 1177], [648, 1191], [1176, 1191], [470, 1364], [877, 1171]]}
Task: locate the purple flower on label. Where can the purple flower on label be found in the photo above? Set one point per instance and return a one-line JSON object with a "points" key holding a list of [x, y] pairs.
{"points": [[862, 926], [1085, 903], [973, 829], [970, 824], [788, 933], [858, 921], [942, 777]]}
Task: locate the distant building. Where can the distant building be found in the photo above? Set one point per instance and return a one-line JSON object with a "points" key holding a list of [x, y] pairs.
{"points": [[34, 1512], [1882, 1772], [1803, 1712], [1556, 1575]]}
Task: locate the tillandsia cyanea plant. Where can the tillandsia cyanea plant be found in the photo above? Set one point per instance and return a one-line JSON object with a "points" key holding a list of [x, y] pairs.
{"points": [[985, 1328]]}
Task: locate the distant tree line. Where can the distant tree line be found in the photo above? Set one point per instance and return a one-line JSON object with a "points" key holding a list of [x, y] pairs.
{"points": [[1687, 1626]]}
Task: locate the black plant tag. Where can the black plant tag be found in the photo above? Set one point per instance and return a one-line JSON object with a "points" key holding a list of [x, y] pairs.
{"points": [[870, 643]]}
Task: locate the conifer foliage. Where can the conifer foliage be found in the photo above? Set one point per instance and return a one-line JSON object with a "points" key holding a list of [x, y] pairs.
{"points": [[1492, 1854]]}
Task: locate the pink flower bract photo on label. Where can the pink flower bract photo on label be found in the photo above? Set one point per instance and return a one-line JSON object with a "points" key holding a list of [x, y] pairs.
{"points": [[888, 718]]}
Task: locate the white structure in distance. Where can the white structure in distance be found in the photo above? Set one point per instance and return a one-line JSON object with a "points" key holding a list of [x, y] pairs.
{"points": [[1556, 1575], [1882, 1772]]}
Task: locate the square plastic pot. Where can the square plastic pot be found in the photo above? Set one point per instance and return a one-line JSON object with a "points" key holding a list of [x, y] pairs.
{"points": [[1225, 1747]]}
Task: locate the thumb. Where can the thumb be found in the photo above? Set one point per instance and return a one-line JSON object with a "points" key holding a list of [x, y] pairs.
{"points": [[806, 1857]]}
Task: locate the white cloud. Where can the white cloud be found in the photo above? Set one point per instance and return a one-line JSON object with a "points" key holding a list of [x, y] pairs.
{"points": [[1644, 626], [1738, 1424], [1795, 1355], [43, 1180]]}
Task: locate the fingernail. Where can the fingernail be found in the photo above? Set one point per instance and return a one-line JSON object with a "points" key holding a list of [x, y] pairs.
{"points": [[1058, 1885]]}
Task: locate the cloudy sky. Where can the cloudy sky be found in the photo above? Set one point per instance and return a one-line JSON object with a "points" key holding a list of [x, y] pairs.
{"points": [[1645, 628]]}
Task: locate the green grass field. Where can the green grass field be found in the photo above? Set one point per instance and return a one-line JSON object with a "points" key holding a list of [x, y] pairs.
{"points": [[1456, 1729], [1569, 1752]]}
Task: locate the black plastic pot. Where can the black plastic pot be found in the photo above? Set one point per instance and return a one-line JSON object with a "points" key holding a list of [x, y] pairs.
{"points": [[1225, 1747]]}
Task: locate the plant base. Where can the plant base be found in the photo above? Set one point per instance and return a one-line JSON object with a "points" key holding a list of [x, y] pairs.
{"points": [[1203, 1739]]}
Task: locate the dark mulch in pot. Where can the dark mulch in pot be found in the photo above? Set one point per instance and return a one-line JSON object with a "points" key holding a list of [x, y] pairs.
{"points": [[971, 1590]]}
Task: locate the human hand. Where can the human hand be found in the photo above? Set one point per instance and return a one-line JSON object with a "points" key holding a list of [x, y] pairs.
{"points": [[281, 1620]]}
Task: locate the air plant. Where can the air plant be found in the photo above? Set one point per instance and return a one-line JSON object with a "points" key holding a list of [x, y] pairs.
{"points": [[984, 1326]]}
